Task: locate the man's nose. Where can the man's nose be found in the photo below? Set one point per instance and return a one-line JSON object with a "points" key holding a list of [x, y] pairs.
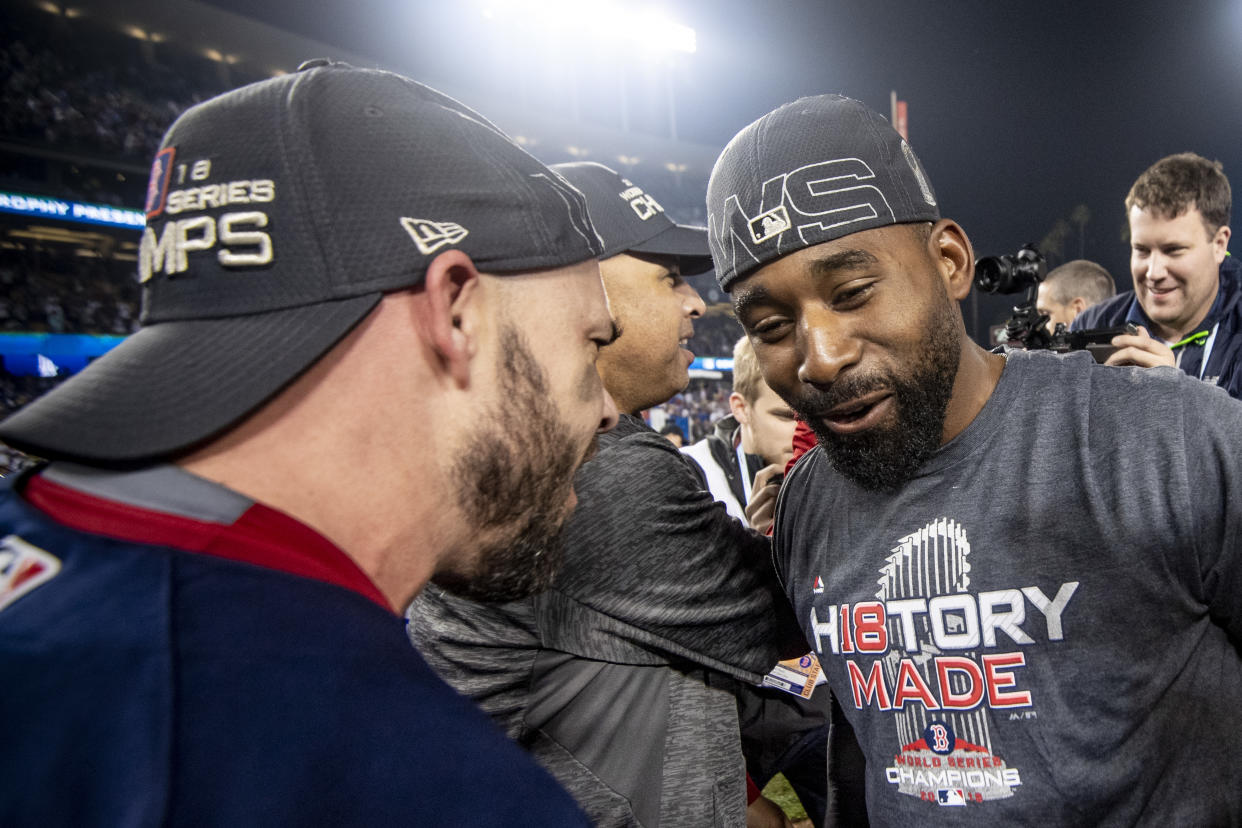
{"points": [[609, 416], [826, 351], [1157, 265], [692, 302]]}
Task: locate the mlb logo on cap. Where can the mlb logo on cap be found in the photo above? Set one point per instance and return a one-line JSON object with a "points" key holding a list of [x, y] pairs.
{"points": [[809, 172], [157, 187]]}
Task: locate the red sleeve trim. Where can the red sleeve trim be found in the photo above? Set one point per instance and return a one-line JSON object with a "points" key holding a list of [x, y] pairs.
{"points": [[261, 536]]}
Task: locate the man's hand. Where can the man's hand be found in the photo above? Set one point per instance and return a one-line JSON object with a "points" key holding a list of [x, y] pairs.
{"points": [[1140, 349], [762, 506], [764, 813]]}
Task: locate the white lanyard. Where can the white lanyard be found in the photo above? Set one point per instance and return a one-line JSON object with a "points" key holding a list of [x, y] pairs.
{"points": [[741, 464]]}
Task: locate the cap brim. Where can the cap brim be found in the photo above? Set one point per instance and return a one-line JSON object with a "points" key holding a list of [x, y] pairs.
{"points": [[172, 385], [687, 244]]}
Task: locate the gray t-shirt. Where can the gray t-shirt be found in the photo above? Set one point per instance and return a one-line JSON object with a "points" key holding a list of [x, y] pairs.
{"points": [[1042, 627], [618, 678]]}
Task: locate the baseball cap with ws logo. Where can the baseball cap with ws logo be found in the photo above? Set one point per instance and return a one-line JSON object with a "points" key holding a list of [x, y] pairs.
{"points": [[278, 215], [811, 171], [630, 220]]}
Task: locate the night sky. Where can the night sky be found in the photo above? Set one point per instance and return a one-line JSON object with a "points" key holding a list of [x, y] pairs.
{"points": [[1020, 111]]}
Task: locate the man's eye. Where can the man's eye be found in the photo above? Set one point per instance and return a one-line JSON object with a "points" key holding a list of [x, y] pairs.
{"points": [[768, 328], [852, 296]]}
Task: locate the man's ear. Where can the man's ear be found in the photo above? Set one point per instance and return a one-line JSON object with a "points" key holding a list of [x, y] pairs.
{"points": [[741, 411], [450, 315], [1079, 305], [954, 257], [1220, 243]]}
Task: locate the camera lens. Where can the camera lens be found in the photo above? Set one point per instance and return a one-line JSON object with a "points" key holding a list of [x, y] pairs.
{"points": [[993, 274]]}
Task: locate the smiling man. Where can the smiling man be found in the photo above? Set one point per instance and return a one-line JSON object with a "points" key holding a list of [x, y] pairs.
{"points": [[1013, 613], [1187, 293]]}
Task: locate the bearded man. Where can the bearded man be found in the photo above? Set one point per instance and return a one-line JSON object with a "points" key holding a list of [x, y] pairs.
{"points": [[1020, 621], [198, 595]]}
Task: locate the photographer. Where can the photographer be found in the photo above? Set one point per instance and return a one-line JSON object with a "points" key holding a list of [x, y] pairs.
{"points": [[1072, 288], [1187, 295]]}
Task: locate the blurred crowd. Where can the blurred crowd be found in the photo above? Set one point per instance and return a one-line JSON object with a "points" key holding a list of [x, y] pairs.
{"points": [[53, 292], [65, 98]]}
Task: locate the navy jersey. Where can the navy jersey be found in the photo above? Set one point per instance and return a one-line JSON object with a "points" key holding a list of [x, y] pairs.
{"points": [[151, 685]]}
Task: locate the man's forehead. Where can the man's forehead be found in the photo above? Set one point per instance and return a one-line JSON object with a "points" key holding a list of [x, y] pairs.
{"points": [[1190, 214], [857, 250]]}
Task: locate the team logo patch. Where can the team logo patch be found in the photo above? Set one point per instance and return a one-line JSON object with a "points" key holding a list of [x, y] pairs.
{"points": [[818, 585], [23, 568], [430, 236], [157, 185], [770, 224]]}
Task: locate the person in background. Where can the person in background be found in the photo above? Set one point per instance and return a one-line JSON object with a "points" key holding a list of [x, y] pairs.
{"points": [[1187, 296], [674, 434], [1070, 289], [355, 289], [742, 461]]}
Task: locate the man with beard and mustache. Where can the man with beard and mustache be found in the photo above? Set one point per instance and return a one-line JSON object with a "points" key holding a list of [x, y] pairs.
{"points": [[620, 677], [351, 283], [1020, 621]]}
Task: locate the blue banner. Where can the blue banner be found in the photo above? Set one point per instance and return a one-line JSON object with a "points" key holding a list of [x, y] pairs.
{"points": [[78, 211], [50, 355]]}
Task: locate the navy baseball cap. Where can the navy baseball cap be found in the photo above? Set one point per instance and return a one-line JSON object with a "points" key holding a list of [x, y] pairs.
{"points": [[632, 221], [278, 215], [809, 172]]}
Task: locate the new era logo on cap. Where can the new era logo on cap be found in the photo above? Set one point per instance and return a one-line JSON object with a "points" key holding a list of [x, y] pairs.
{"points": [[430, 236]]}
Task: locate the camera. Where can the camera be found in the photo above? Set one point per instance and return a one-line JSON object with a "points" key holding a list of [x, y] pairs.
{"points": [[1028, 328], [1010, 274]]}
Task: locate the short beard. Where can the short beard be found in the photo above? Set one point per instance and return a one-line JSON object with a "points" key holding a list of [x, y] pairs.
{"points": [[884, 458], [513, 483]]}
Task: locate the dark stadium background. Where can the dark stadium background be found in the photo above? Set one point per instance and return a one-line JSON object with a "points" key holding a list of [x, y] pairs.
{"points": [[1032, 118]]}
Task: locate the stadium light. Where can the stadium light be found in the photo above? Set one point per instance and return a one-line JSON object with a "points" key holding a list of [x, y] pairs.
{"points": [[649, 29]]}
